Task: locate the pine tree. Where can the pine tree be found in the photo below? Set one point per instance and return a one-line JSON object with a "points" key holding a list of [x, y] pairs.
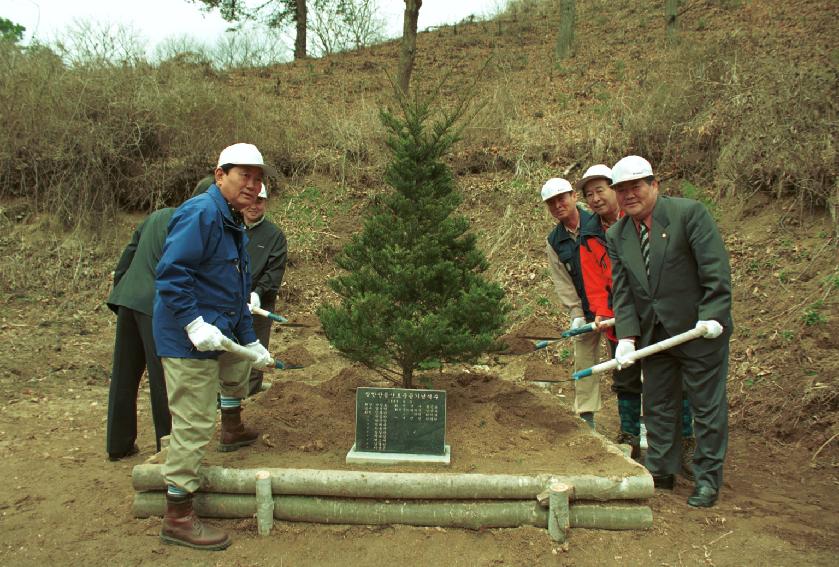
{"points": [[414, 289]]}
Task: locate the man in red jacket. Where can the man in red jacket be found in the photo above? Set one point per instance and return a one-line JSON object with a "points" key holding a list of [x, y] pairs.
{"points": [[597, 278]]}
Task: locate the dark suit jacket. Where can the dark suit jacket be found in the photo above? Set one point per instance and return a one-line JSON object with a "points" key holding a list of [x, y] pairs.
{"points": [[689, 280], [134, 274]]}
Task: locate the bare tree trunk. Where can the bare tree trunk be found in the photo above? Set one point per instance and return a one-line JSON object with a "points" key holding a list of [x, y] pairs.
{"points": [[300, 18], [565, 39], [671, 8], [409, 43], [407, 371]]}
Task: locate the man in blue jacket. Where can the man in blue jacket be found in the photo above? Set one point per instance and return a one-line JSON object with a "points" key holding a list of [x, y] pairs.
{"points": [[203, 286]]}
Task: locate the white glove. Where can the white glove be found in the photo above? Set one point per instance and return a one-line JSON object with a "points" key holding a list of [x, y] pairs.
{"points": [[625, 348], [203, 335], [254, 301], [262, 358], [577, 322], [712, 329]]}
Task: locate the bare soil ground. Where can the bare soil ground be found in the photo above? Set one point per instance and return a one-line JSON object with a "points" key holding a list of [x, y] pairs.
{"points": [[62, 502]]}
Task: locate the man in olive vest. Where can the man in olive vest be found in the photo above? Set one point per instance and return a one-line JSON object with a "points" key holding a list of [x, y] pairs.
{"points": [[563, 250]]}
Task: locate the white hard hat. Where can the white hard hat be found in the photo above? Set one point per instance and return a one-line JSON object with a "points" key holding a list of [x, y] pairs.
{"points": [[244, 154], [554, 187], [263, 193], [598, 171], [631, 168]]}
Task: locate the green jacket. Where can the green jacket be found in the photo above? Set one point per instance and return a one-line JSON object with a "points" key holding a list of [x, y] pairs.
{"points": [[690, 277], [134, 274], [268, 250]]}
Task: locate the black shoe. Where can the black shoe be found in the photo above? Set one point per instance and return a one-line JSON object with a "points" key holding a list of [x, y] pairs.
{"points": [[113, 457], [665, 481], [703, 497]]}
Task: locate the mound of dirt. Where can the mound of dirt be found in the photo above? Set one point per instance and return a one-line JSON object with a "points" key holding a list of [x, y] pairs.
{"points": [[297, 356], [493, 426], [521, 340], [541, 371]]}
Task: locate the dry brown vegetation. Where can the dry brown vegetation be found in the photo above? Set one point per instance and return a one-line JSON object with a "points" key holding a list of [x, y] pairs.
{"points": [[742, 102]]}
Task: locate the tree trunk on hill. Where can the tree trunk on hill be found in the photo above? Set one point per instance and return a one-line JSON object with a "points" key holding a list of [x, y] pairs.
{"points": [[300, 19], [409, 43], [565, 40], [671, 8]]}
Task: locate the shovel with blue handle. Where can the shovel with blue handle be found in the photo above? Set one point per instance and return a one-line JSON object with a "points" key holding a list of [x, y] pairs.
{"points": [[246, 353], [587, 328], [274, 317]]}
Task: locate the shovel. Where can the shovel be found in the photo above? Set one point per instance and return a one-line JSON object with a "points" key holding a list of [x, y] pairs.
{"points": [[243, 352], [587, 328], [643, 353], [274, 317]]}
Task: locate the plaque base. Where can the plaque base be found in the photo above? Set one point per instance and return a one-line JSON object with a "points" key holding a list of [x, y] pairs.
{"points": [[371, 458]]}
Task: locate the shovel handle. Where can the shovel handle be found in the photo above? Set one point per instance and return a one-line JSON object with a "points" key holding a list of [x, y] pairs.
{"points": [[587, 328], [643, 353], [272, 316], [243, 352]]}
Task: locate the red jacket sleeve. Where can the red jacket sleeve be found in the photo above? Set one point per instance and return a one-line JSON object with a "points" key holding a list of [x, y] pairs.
{"points": [[597, 277]]}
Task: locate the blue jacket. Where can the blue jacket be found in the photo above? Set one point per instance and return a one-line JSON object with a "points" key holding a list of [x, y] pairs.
{"points": [[204, 271], [568, 250]]}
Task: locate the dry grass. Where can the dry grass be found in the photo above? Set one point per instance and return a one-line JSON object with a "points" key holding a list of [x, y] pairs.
{"points": [[722, 107]]}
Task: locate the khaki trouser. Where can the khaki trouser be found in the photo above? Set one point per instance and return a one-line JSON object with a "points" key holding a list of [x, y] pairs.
{"points": [[262, 329], [192, 386], [586, 390]]}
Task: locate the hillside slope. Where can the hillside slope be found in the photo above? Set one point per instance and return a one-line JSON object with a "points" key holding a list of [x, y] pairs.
{"points": [[696, 110]]}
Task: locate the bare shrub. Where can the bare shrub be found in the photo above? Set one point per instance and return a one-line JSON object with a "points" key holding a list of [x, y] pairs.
{"points": [[87, 42], [345, 146], [82, 142], [701, 112], [784, 135], [234, 50], [183, 48], [339, 25]]}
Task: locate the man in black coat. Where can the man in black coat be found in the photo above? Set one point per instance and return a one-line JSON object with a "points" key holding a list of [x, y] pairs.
{"points": [[670, 274], [132, 299], [268, 249]]}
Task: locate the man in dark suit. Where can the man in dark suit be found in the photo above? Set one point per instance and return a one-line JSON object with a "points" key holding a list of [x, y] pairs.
{"points": [[670, 274]]}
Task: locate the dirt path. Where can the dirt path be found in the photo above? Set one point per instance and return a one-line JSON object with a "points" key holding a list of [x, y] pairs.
{"points": [[62, 502]]}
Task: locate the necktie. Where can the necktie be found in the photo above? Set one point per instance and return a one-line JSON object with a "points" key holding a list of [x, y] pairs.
{"points": [[645, 246]]}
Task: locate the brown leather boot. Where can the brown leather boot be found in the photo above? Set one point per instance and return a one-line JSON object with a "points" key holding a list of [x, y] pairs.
{"points": [[182, 527], [634, 442], [688, 448], [233, 432]]}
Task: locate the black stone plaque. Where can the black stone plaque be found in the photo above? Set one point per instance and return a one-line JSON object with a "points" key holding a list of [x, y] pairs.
{"points": [[395, 420]]}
